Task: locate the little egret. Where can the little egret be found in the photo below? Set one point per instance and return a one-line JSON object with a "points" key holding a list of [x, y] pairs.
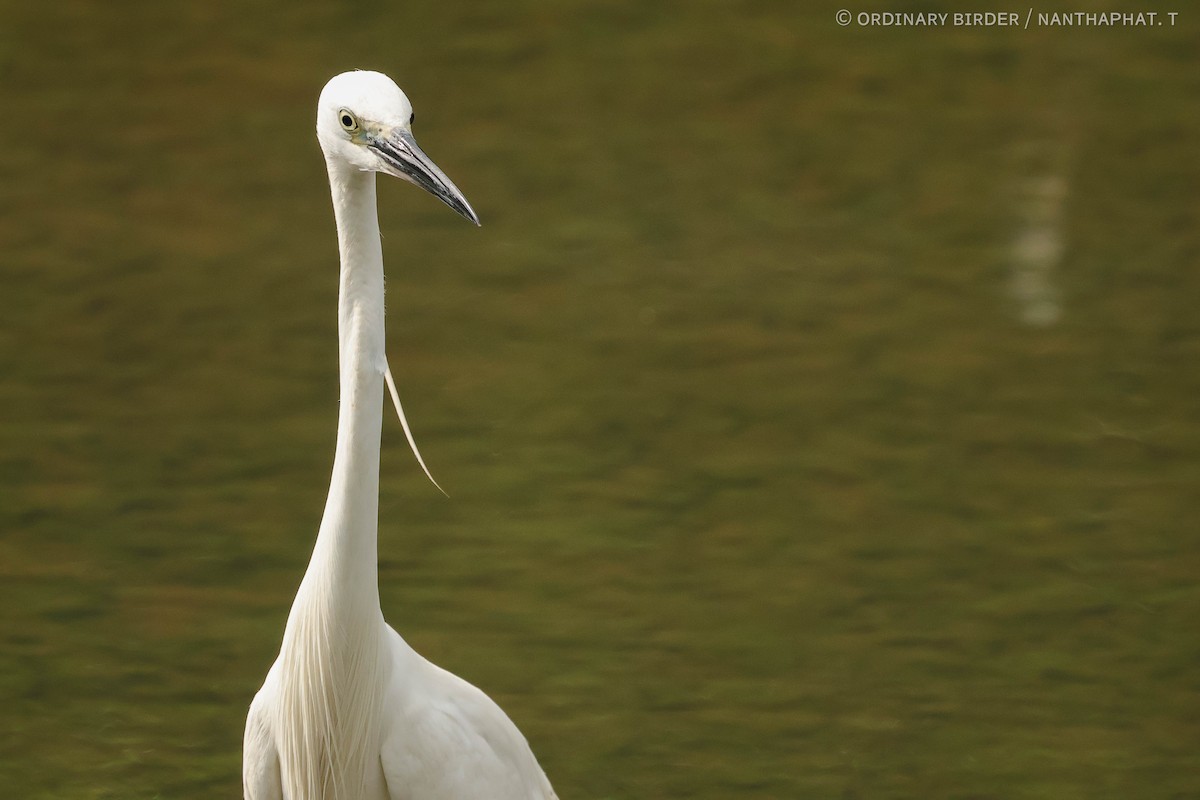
{"points": [[349, 711]]}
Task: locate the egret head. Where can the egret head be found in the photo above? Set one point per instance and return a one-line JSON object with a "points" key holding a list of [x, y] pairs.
{"points": [[364, 123]]}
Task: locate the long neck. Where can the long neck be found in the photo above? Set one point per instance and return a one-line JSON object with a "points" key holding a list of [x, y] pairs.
{"points": [[346, 552], [332, 665]]}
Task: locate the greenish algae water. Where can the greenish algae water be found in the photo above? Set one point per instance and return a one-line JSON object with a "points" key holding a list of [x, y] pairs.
{"points": [[818, 405]]}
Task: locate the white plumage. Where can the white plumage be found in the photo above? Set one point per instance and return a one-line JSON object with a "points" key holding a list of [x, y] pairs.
{"points": [[349, 711]]}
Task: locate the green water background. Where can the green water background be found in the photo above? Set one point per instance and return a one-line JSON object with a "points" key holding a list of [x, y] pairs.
{"points": [[779, 467]]}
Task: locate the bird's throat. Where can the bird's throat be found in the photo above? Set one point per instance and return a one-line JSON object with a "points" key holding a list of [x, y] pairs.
{"points": [[346, 553]]}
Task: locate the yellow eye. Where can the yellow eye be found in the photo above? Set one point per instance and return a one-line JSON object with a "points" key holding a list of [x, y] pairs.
{"points": [[349, 123]]}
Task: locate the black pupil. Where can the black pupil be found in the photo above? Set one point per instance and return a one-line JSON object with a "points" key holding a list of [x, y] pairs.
{"points": [[347, 121], [412, 118]]}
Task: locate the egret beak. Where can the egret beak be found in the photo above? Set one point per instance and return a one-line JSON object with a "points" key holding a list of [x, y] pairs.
{"points": [[404, 159]]}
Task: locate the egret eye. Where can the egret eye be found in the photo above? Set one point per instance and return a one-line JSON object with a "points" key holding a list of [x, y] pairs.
{"points": [[412, 118], [349, 123]]}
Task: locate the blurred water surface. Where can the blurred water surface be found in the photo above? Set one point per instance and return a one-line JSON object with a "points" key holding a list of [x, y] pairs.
{"points": [[818, 405]]}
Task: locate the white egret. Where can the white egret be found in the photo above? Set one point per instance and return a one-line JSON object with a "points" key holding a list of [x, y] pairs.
{"points": [[349, 711]]}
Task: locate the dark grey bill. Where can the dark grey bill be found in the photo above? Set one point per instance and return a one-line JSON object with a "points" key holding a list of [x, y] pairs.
{"points": [[400, 152]]}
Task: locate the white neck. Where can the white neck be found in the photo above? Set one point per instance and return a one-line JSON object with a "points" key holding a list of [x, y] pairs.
{"points": [[347, 545], [333, 670]]}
